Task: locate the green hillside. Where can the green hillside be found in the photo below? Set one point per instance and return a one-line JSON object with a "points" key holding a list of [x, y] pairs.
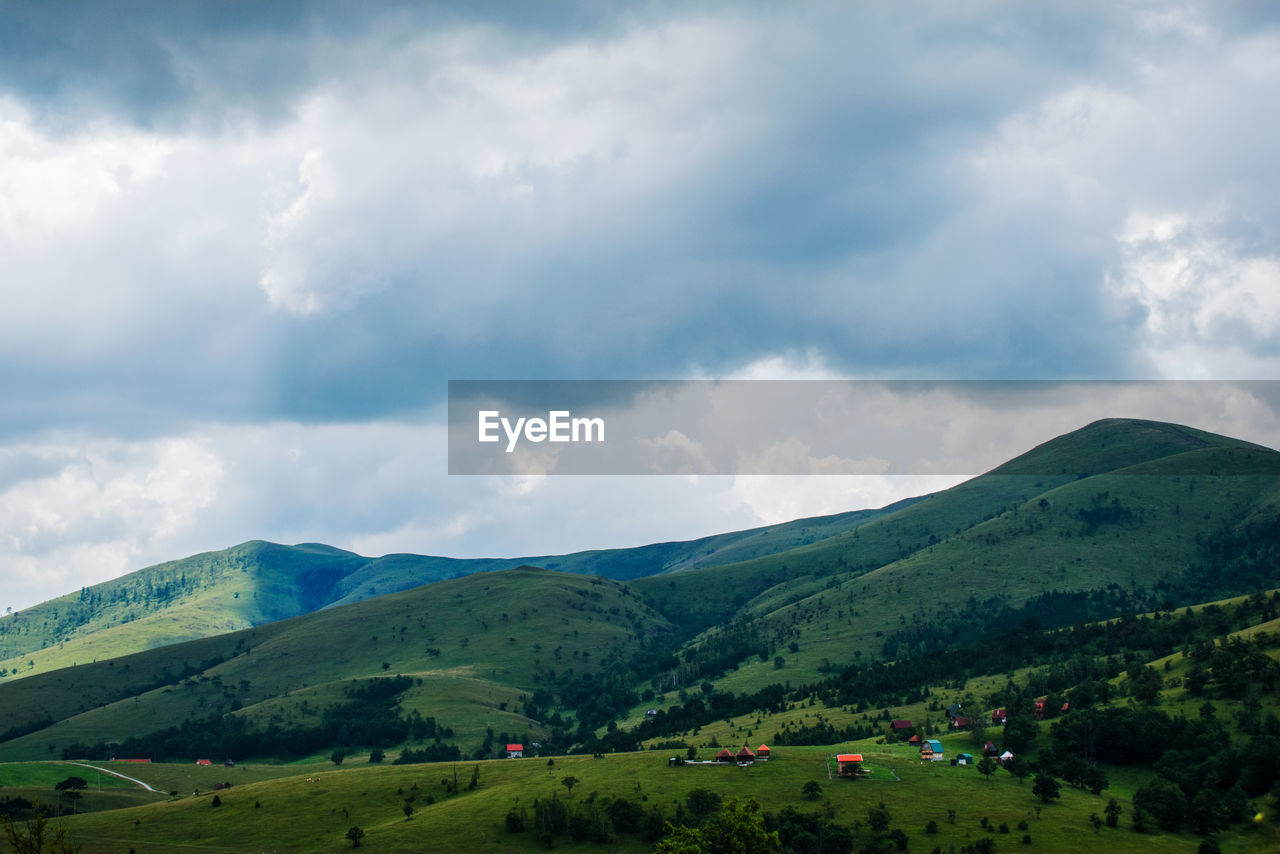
{"points": [[1168, 514], [476, 650], [257, 583], [1063, 576], [622, 801]]}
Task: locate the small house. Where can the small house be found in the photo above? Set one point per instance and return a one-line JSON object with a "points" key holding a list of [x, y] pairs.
{"points": [[762, 753], [203, 762], [651, 713], [999, 716], [990, 750], [1005, 757], [848, 764], [964, 759], [914, 741], [931, 750], [1039, 708], [959, 722], [900, 725], [725, 755], [954, 711], [515, 751], [745, 755], [1066, 707]]}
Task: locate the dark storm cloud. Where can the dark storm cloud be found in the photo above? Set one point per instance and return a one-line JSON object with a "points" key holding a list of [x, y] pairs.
{"points": [[351, 204], [157, 62]]}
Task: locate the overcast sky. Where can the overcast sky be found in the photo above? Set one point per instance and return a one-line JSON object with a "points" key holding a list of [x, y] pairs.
{"points": [[244, 246]]}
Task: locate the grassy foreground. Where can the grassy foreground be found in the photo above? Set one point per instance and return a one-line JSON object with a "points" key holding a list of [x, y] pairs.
{"points": [[312, 811]]}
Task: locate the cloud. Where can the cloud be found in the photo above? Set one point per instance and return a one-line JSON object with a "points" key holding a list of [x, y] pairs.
{"points": [[273, 227], [86, 512]]}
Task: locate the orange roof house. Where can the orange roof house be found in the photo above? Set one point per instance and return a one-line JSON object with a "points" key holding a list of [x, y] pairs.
{"points": [[848, 764], [515, 751], [762, 753]]}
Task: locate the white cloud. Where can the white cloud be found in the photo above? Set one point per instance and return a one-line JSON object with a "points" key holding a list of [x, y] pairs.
{"points": [[108, 505], [1205, 298]]}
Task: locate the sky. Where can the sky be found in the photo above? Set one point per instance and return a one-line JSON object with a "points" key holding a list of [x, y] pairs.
{"points": [[244, 246]]}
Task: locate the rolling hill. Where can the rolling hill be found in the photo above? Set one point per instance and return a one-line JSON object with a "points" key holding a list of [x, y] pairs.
{"points": [[257, 582], [1120, 516], [476, 650], [1073, 573]]}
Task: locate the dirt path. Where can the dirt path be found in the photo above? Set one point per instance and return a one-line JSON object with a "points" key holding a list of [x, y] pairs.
{"points": [[117, 774]]}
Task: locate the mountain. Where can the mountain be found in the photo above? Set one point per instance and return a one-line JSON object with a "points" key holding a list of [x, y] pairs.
{"points": [[1122, 516], [257, 582], [475, 649], [1135, 507]]}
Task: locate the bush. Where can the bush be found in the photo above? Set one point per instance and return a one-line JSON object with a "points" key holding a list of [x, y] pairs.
{"points": [[702, 803], [931, 827]]}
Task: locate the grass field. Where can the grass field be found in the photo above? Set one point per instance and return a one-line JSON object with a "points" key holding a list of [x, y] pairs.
{"points": [[292, 814]]}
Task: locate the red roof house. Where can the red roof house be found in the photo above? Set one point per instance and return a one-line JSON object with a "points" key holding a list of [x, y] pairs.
{"points": [[203, 762], [745, 755], [849, 763], [724, 755], [900, 724], [515, 751]]}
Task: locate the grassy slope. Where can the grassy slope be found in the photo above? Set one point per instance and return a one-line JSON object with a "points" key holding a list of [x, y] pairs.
{"points": [[752, 729], [1081, 457], [1005, 536], [198, 596], [1010, 535], [296, 815], [258, 582], [492, 633]]}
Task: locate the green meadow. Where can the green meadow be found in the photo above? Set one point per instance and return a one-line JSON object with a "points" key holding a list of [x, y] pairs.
{"points": [[313, 811]]}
